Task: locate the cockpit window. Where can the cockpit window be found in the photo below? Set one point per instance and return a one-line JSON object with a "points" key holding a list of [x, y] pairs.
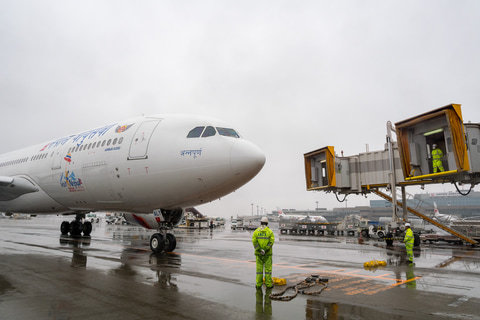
{"points": [[209, 131], [227, 132], [195, 132]]}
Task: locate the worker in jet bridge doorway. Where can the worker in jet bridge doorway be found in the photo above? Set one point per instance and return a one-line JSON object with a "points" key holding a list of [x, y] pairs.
{"points": [[437, 156], [263, 239]]}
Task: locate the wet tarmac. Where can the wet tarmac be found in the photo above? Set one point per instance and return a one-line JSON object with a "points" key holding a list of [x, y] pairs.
{"points": [[211, 275]]}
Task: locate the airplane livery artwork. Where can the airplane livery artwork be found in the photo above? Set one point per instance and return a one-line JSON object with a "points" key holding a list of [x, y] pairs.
{"points": [[148, 168]]}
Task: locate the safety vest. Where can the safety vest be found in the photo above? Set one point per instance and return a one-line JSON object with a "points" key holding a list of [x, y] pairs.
{"points": [[437, 154], [263, 238], [409, 236]]}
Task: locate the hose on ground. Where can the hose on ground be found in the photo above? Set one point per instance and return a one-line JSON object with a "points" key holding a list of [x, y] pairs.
{"points": [[301, 287]]}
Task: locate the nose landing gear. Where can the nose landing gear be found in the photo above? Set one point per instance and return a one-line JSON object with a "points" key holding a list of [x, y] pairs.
{"points": [[160, 242]]}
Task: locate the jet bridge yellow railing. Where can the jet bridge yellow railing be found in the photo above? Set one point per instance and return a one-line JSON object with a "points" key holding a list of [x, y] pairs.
{"points": [[424, 217]]}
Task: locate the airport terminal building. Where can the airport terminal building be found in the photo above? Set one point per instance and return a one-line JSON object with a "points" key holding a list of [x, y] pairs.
{"points": [[447, 202]]}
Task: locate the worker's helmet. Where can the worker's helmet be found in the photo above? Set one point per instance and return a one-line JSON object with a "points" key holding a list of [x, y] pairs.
{"points": [[434, 146], [407, 225], [264, 220]]}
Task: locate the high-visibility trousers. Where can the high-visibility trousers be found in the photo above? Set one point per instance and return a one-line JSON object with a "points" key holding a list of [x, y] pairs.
{"points": [[264, 262], [438, 165], [409, 247]]}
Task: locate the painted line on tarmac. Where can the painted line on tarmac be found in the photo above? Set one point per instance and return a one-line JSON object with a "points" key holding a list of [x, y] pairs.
{"points": [[350, 282]]}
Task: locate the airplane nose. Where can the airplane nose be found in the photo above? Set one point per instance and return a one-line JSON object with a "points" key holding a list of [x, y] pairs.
{"points": [[246, 158]]}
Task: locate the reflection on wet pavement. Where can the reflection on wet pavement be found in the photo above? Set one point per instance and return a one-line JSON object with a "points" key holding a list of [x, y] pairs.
{"points": [[218, 266]]}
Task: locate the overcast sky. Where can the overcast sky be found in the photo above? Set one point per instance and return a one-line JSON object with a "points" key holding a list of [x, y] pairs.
{"points": [[291, 76]]}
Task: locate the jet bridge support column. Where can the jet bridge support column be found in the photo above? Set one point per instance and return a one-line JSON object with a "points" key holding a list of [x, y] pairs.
{"points": [[404, 204], [393, 182]]}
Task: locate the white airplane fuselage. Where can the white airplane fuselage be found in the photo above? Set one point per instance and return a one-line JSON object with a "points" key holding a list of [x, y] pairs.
{"points": [[136, 166], [302, 218], [444, 218]]}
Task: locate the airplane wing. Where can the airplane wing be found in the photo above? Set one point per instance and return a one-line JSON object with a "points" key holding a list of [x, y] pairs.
{"points": [[13, 187]]}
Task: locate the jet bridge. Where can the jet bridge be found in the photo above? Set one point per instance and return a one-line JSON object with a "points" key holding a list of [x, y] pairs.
{"points": [[409, 161]]}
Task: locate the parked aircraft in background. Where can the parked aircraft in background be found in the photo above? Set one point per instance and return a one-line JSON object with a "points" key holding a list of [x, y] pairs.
{"points": [[149, 168], [443, 218], [301, 218]]}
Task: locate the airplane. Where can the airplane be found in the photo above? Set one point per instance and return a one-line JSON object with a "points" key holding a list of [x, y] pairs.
{"points": [[301, 218], [444, 218], [148, 168]]}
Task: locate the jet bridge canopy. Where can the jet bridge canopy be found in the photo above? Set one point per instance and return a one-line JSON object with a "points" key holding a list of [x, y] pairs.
{"points": [[416, 137], [320, 168]]}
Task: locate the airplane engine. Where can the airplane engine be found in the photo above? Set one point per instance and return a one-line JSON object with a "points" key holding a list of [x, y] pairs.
{"points": [[160, 219]]}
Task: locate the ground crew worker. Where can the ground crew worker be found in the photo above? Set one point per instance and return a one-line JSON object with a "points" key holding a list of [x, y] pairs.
{"points": [[263, 239], [408, 240], [437, 156]]}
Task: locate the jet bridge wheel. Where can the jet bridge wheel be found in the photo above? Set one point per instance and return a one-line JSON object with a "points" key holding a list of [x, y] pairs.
{"points": [[157, 242]]}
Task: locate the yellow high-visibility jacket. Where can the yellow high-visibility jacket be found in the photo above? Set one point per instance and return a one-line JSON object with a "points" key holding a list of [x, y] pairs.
{"points": [[263, 238], [437, 154], [409, 236]]}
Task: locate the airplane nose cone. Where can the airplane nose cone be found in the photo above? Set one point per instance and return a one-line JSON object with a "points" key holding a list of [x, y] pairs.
{"points": [[246, 158]]}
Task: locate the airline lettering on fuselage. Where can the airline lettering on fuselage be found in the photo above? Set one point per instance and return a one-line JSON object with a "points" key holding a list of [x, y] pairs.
{"points": [[193, 153], [100, 132], [92, 133]]}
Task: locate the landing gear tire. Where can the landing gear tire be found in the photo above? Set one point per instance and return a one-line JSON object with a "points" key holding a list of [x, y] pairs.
{"points": [[65, 227], [170, 242], [87, 228], [76, 228], [157, 242]]}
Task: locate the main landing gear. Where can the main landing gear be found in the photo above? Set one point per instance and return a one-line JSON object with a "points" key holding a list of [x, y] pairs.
{"points": [[160, 242], [76, 227]]}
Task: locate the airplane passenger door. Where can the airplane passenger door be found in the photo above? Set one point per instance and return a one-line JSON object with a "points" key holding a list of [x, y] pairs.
{"points": [[141, 139], [57, 158]]}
